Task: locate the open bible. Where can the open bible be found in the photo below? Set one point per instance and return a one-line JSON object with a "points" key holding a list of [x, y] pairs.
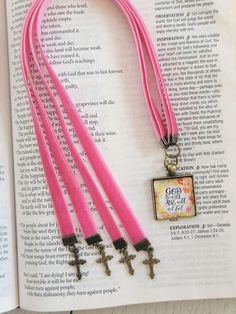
{"points": [[91, 48]]}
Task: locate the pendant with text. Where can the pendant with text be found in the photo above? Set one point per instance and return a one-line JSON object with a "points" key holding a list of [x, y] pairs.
{"points": [[174, 197]]}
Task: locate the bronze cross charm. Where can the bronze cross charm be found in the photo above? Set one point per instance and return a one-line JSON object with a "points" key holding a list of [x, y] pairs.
{"points": [[104, 258], [77, 262], [151, 262], [126, 259]]}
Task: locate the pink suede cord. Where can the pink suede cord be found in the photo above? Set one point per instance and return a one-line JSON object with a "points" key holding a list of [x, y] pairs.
{"points": [[127, 7], [100, 203], [31, 37], [108, 183], [157, 122]]}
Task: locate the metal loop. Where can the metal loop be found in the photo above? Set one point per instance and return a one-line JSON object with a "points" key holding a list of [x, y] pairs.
{"points": [[73, 249], [173, 155]]}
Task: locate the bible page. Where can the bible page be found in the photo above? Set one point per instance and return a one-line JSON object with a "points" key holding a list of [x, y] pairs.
{"points": [[8, 258], [91, 48]]}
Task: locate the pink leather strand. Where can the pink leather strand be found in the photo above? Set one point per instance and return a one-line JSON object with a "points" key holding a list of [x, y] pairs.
{"points": [[99, 202]]}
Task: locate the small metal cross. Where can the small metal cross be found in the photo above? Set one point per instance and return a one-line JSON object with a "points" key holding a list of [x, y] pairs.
{"points": [[126, 259], [104, 259], [151, 262], [77, 262]]}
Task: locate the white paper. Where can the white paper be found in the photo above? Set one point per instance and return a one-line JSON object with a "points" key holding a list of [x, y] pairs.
{"points": [[93, 52], [8, 259]]}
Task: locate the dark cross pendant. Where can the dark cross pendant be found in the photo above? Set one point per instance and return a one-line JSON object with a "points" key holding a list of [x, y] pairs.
{"points": [[104, 259], [77, 262], [151, 262], [126, 259]]}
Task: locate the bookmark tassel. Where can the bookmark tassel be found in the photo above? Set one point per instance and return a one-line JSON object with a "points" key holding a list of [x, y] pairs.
{"points": [[101, 206], [104, 211], [124, 212], [110, 187], [107, 181]]}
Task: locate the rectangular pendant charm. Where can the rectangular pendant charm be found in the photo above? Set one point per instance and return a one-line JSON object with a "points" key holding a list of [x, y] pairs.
{"points": [[174, 197]]}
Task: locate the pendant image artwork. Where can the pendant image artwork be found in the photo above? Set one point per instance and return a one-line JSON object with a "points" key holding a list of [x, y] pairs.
{"points": [[174, 197]]}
